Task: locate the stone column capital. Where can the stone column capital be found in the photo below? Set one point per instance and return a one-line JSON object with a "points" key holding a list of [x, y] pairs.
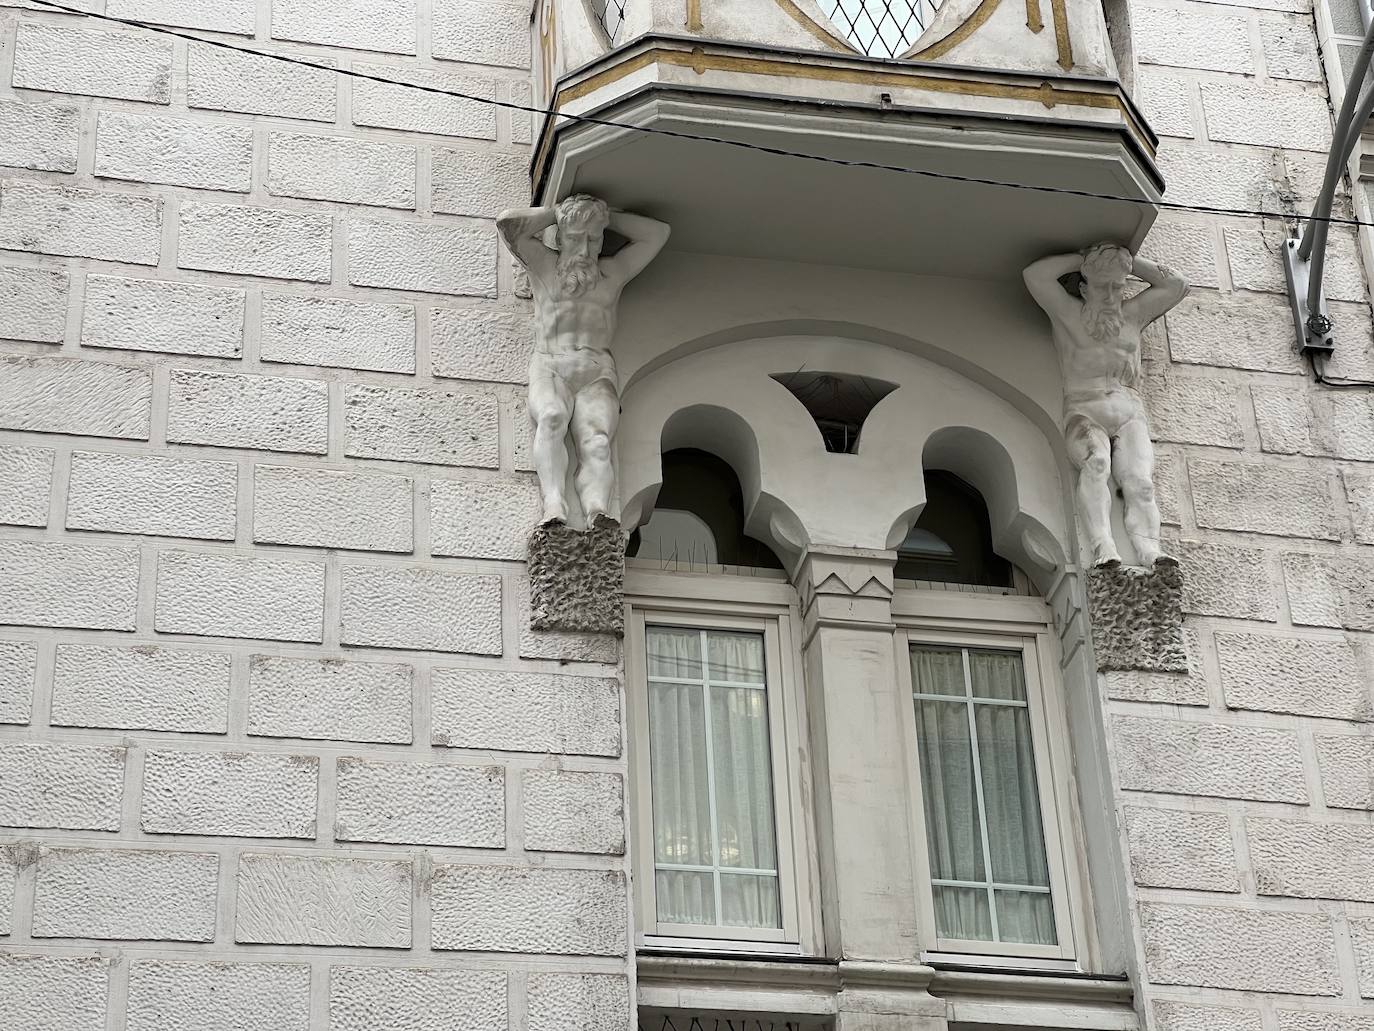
{"points": [[845, 587]]}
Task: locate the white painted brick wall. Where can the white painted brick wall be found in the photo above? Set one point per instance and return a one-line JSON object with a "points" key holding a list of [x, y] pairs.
{"points": [[25, 482], [67, 395], [526, 712], [1305, 676], [185, 996], [384, 25], [233, 16], [1312, 860], [146, 149], [52, 219], [482, 518], [42, 136], [65, 786], [481, 344], [417, 999], [267, 412], [169, 497], [329, 699], [72, 585], [441, 427], [578, 1002], [112, 893], [421, 803], [1237, 112], [223, 81], [249, 241], [1263, 498], [507, 909], [479, 183], [33, 304], [126, 65], [54, 993], [1330, 591], [339, 169], [1174, 1016], [1171, 848], [230, 794], [385, 106], [359, 510], [1210, 759], [299, 900], [144, 687], [568, 811], [176, 318], [337, 333], [1226, 581], [1362, 937], [432, 257], [1194, 411], [482, 32], [9, 883], [1245, 950], [229, 596], [1347, 771], [387, 607], [18, 665]]}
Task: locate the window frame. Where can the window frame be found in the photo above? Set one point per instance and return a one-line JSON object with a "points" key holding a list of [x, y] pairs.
{"points": [[724, 601], [951, 618]]}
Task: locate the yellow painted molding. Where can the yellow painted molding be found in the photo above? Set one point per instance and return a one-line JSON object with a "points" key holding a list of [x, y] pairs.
{"points": [[1061, 33], [1033, 20], [947, 43]]}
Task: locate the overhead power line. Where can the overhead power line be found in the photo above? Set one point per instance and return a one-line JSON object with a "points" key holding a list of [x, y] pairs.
{"points": [[695, 137]]}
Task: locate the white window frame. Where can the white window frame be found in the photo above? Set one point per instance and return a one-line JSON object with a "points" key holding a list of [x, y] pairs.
{"points": [[764, 605], [1008, 623]]}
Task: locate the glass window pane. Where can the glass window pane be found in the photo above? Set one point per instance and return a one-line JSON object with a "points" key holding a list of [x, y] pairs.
{"points": [[962, 913], [1026, 917], [951, 799], [674, 652], [749, 901], [744, 781], [997, 675], [937, 671], [737, 657], [685, 897], [1011, 799], [678, 774]]}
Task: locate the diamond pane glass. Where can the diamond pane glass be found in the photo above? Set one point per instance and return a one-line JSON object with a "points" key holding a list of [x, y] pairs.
{"points": [[611, 15], [880, 28]]}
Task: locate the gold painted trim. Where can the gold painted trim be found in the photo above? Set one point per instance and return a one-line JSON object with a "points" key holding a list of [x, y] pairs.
{"points": [[948, 42], [1045, 93], [1033, 20], [1061, 33], [812, 26], [693, 15]]}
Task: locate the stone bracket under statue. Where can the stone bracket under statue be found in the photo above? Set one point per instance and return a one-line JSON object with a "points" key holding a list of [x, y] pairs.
{"points": [[577, 576]]}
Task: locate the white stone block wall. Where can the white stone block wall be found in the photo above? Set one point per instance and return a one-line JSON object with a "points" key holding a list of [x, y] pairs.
{"points": [[1244, 787], [276, 748]]}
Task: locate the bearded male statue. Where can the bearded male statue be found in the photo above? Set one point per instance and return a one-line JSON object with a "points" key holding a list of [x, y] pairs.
{"points": [[1105, 426], [573, 381]]}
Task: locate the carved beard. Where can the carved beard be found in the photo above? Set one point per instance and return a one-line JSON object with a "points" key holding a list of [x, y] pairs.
{"points": [[1103, 323], [578, 275]]}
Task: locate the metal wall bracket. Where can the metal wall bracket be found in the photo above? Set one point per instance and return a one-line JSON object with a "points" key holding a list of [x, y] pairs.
{"points": [[1313, 327]]}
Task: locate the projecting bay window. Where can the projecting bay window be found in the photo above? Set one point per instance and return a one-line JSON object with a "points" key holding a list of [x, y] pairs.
{"points": [[715, 834], [993, 858]]}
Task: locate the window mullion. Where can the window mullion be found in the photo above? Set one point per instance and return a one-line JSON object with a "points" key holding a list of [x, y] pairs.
{"points": [[978, 787], [711, 775]]}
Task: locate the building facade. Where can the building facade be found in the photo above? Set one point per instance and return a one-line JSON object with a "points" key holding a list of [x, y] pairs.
{"points": [[869, 744]]}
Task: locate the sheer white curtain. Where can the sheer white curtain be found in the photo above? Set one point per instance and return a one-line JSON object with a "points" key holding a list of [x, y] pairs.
{"points": [[996, 839], [714, 841]]}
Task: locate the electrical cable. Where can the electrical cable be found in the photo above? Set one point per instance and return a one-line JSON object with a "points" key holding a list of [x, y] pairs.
{"points": [[697, 138]]}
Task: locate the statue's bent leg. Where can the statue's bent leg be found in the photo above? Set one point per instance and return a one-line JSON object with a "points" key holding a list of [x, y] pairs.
{"points": [[1133, 465], [550, 406], [1090, 452], [596, 414]]}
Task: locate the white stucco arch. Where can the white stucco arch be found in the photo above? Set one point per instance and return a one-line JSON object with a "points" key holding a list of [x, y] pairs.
{"points": [[722, 399]]}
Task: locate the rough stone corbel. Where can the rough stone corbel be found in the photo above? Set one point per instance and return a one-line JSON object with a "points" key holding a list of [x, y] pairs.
{"points": [[577, 578], [1137, 618]]}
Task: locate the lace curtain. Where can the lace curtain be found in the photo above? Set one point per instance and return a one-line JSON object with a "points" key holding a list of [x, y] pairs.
{"points": [[982, 807], [715, 851]]}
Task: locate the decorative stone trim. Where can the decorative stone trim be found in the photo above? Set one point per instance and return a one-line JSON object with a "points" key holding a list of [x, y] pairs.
{"points": [[577, 578], [1137, 618]]}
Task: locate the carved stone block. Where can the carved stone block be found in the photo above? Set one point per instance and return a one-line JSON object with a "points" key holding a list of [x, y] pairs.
{"points": [[577, 578], [1137, 618]]}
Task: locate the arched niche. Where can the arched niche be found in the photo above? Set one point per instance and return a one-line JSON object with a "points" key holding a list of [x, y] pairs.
{"points": [[728, 400]]}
